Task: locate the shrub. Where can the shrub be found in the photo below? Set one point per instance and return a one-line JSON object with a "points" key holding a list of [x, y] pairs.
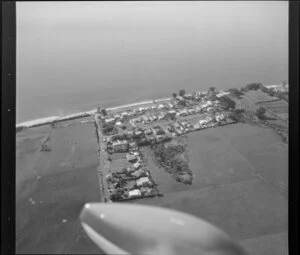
{"points": [[235, 92], [260, 113], [253, 86], [181, 92], [226, 102]]}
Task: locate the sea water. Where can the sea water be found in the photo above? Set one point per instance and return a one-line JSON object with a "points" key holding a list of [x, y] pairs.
{"points": [[76, 56]]}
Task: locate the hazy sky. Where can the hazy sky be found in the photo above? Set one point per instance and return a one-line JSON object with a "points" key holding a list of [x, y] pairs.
{"points": [[145, 47]]}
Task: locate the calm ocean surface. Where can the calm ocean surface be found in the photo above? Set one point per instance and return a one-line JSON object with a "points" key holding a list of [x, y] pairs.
{"points": [[75, 56]]}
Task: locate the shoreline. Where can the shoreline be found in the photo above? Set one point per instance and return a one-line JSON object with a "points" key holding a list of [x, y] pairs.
{"points": [[51, 119]]}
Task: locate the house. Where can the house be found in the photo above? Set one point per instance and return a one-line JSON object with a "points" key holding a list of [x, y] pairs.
{"points": [[184, 112], [133, 144], [197, 126], [202, 122], [109, 120], [136, 153], [148, 131], [139, 173], [143, 181], [145, 118], [188, 96], [130, 169], [172, 112], [160, 138], [131, 158], [138, 133], [153, 107], [161, 106], [134, 193], [161, 116], [124, 114], [120, 146], [136, 165]]}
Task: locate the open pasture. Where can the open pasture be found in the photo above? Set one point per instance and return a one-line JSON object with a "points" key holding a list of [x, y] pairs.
{"points": [[240, 183], [54, 189]]}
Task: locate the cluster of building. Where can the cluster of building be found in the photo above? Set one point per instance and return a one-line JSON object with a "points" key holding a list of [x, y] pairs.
{"points": [[135, 181], [279, 87], [131, 182], [212, 114]]}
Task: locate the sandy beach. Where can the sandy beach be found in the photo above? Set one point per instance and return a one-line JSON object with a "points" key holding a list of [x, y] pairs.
{"points": [[48, 120]]}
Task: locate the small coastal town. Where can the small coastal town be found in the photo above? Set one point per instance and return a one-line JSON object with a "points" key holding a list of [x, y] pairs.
{"points": [[123, 133]]}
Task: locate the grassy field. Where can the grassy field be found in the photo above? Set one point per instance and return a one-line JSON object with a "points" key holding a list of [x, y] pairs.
{"points": [[240, 184], [279, 107], [52, 187], [258, 96]]}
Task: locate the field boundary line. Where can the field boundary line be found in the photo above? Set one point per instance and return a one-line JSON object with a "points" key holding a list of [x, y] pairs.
{"points": [[255, 170], [268, 110], [269, 101], [210, 186]]}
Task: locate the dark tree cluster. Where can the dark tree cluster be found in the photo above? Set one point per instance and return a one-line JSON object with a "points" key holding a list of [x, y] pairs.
{"points": [[260, 113], [226, 102], [252, 86], [236, 92]]}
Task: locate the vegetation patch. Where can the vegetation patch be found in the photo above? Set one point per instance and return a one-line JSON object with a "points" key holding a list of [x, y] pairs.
{"points": [[172, 157]]}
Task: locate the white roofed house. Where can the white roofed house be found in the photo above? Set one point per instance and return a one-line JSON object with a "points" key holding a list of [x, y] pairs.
{"points": [[143, 181], [120, 146], [136, 165], [131, 158], [109, 120], [134, 193]]}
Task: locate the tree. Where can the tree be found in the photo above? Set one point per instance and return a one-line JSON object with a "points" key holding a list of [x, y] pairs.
{"points": [[264, 89], [271, 92], [235, 92], [98, 109], [243, 89], [284, 83], [213, 97], [212, 89], [253, 86], [260, 113], [226, 102], [239, 111], [104, 111], [174, 95], [181, 92]]}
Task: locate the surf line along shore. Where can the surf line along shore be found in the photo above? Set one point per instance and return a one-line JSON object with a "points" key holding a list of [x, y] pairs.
{"points": [[49, 120]]}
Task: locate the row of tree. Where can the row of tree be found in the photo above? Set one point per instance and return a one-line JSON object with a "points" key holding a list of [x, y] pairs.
{"points": [[180, 93]]}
